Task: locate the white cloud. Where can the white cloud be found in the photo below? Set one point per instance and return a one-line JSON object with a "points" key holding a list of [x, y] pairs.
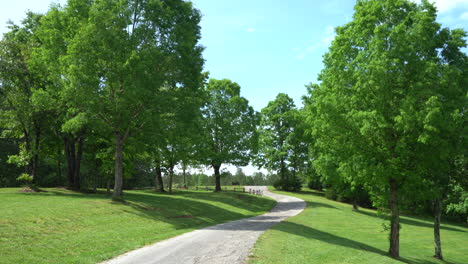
{"points": [[329, 35], [445, 5], [464, 16], [325, 41], [251, 30]]}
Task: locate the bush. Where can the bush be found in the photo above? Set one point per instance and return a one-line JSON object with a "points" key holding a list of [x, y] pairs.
{"points": [[330, 193], [315, 184], [291, 184], [25, 178]]}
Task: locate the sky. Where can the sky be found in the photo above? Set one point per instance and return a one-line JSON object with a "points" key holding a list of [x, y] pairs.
{"points": [[266, 46]]}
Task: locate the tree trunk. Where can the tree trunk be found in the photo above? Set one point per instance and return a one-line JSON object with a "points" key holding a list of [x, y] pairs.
{"points": [[70, 157], [28, 168], [355, 204], [183, 173], [171, 175], [77, 161], [59, 166], [437, 214], [159, 180], [217, 177], [394, 220], [282, 170], [117, 195], [35, 158], [108, 186]]}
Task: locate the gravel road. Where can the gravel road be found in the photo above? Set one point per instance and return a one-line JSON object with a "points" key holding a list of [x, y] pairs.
{"points": [[228, 243]]}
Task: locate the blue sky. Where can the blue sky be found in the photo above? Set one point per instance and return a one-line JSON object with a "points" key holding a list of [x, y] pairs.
{"points": [[267, 46]]}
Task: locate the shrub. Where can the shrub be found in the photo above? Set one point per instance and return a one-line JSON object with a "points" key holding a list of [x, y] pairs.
{"points": [[291, 184], [25, 178], [330, 193], [315, 184]]}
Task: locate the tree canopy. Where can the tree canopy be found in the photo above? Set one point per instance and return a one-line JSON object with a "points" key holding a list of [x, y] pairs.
{"points": [[229, 125], [392, 76]]}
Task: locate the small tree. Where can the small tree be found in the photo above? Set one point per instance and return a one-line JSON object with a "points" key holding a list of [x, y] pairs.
{"points": [[229, 127], [282, 147]]}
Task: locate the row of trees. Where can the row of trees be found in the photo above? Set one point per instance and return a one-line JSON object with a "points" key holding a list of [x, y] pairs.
{"points": [[104, 90], [239, 178], [114, 90], [389, 116]]}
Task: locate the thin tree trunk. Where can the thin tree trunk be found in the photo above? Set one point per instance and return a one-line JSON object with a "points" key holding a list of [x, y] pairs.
{"points": [[217, 178], [35, 159], [394, 220], [70, 157], [28, 168], [117, 195], [59, 166], [183, 173], [282, 170], [171, 175], [159, 180], [355, 204], [437, 243], [108, 186], [77, 165]]}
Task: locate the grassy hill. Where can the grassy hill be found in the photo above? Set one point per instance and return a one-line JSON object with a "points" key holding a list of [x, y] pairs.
{"points": [[61, 226], [330, 232]]}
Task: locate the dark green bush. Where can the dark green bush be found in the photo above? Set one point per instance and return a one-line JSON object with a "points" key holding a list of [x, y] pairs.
{"points": [[315, 184], [291, 184], [330, 193]]}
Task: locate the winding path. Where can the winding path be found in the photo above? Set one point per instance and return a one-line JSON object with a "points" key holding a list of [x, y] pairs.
{"points": [[228, 243]]}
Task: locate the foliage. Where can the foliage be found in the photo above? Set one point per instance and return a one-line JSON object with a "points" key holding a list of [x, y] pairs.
{"points": [[229, 127], [291, 184], [25, 178], [384, 90], [20, 116]]}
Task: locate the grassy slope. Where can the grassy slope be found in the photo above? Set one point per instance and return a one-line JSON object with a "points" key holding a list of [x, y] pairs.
{"points": [[61, 226], [330, 232]]}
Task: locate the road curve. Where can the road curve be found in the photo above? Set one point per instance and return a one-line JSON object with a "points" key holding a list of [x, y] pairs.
{"points": [[228, 243]]}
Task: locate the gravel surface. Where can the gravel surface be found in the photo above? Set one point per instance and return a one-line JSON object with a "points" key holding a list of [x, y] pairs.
{"points": [[224, 243]]}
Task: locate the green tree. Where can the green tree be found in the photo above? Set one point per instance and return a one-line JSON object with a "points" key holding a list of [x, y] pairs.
{"points": [[282, 147], [129, 53], [68, 123], [380, 82], [22, 116], [229, 127]]}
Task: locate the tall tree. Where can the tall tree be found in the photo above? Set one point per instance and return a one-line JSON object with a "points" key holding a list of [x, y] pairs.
{"points": [[59, 26], [229, 127], [127, 55], [380, 79], [22, 117], [281, 147]]}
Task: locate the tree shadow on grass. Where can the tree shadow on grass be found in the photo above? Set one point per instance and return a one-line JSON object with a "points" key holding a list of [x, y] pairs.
{"points": [[181, 209], [415, 221], [312, 233], [234, 199], [312, 192], [317, 204]]}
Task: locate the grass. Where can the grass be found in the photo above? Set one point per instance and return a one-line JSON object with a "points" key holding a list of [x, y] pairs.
{"points": [[331, 232], [61, 226]]}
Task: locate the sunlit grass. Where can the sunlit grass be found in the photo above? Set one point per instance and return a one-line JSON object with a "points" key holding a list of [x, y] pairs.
{"points": [[331, 232], [60, 226]]}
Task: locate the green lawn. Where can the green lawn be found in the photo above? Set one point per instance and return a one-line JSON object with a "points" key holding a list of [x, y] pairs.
{"points": [[330, 232], [60, 226]]}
